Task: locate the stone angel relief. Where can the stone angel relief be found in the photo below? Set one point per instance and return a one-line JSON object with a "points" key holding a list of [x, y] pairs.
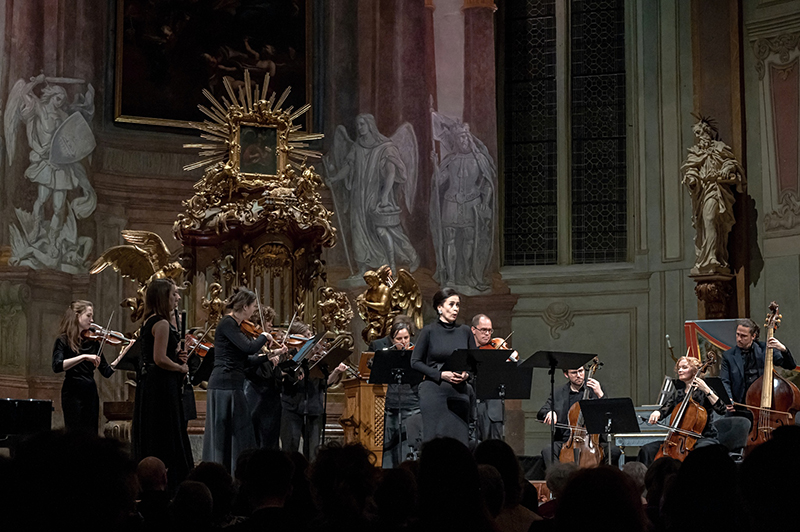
{"points": [[145, 258], [60, 138], [385, 298], [365, 176], [463, 206]]}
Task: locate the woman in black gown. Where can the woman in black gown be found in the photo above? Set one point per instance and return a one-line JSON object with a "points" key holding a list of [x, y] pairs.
{"points": [[445, 397], [159, 426], [78, 357]]}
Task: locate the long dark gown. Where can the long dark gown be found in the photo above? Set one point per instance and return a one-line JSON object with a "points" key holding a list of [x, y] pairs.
{"points": [[159, 425], [446, 408]]}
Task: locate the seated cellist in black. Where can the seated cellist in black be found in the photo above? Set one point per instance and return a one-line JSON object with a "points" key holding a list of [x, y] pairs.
{"points": [[686, 369]]}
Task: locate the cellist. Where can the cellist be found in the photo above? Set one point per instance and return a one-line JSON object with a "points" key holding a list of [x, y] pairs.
{"points": [[744, 364], [564, 397], [686, 369]]}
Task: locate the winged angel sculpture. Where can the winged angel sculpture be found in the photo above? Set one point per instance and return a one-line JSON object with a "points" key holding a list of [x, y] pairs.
{"points": [[145, 258], [60, 138], [385, 298], [364, 176]]}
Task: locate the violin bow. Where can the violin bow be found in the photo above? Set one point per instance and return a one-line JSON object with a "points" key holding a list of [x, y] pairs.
{"points": [[105, 333], [289, 328], [506, 339], [199, 340]]}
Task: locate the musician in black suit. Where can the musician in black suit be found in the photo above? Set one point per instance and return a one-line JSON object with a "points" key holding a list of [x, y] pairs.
{"points": [[742, 365], [563, 398]]}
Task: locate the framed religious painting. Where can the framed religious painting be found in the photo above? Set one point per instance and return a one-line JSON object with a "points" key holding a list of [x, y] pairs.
{"points": [[169, 52], [259, 151]]}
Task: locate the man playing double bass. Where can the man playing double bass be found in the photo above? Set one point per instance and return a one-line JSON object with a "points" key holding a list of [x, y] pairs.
{"points": [[564, 397], [744, 364]]}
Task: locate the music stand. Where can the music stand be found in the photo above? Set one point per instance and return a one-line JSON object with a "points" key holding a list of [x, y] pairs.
{"points": [[294, 362], [393, 366], [320, 370], [715, 383], [494, 377], [552, 360], [608, 416]]}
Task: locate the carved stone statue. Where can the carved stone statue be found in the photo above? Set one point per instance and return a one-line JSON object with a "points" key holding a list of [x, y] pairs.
{"points": [[59, 137], [364, 176], [710, 172], [385, 298], [462, 206]]}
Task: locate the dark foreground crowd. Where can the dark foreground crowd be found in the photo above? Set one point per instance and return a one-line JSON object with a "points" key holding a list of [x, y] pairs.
{"points": [[76, 481]]}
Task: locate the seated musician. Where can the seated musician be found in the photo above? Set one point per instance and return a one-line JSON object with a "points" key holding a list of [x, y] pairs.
{"points": [[744, 364], [489, 416], [686, 369], [564, 397]]}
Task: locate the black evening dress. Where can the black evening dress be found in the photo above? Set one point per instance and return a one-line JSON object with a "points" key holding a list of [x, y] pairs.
{"points": [[159, 425]]}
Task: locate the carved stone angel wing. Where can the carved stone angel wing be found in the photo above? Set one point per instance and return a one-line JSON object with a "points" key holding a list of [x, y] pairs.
{"points": [[129, 261], [406, 295], [406, 142], [151, 244], [12, 118]]}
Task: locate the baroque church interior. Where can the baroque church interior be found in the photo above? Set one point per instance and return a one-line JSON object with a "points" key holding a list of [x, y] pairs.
{"points": [[589, 174]]}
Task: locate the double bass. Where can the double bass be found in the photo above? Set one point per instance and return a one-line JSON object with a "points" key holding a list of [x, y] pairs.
{"points": [[687, 422], [773, 400], [582, 448]]}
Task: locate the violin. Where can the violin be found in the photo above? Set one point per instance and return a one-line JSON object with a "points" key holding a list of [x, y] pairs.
{"points": [[502, 344], [197, 346], [582, 448], [773, 400], [687, 421], [251, 329], [96, 332]]}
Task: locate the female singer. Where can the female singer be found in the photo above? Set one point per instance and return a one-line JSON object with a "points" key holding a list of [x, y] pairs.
{"points": [[402, 401], [445, 398], [159, 424], [78, 357], [262, 387], [229, 427], [685, 368]]}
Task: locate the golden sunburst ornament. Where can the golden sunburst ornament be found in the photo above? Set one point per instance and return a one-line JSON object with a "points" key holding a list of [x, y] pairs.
{"points": [[255, 167], [252, 134]]}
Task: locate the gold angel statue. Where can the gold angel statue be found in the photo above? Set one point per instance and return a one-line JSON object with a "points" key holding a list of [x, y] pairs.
{"points": [[385, 298], [145, 258]]}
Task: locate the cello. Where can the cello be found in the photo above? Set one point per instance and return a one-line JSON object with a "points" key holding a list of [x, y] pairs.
{"points": [[687, 422], [773, 400], [582, 448]]}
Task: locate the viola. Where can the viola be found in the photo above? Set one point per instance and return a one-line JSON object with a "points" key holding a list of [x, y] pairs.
{"points": [[773, 400], [687, 422], [582, 448], [96, 332]]}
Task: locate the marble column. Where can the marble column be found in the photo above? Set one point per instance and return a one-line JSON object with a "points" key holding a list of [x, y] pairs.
{"points": [[480, 98]]}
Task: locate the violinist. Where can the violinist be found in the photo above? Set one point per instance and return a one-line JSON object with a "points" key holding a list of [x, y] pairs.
{"points": [[303, 401], [489, 413], [78, 357], [229, 427], [742, 365], [262, 387], [402, 400], [564, 397], [686, 369]]}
